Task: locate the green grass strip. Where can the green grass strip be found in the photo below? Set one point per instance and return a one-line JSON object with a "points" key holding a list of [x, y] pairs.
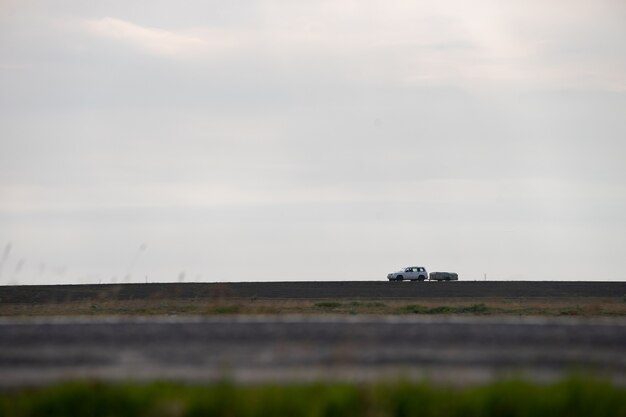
{"points": [[572, 397], [418, 309]]}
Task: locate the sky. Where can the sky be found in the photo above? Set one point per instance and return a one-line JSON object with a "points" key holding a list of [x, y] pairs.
{"points": [[271, 140]]}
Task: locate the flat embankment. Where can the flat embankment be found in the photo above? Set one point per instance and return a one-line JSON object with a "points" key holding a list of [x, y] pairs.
{"points": [[314, 290]]}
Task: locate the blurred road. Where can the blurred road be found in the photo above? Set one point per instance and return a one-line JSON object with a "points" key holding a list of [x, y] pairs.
{"points": [[249, 349]]}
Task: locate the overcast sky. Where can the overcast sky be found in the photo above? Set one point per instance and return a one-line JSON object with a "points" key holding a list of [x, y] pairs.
{"points": [[311, 140]]}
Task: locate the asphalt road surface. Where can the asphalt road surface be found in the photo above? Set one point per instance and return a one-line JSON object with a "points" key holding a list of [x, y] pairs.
{"points": [[251, 349], [311, 290]]}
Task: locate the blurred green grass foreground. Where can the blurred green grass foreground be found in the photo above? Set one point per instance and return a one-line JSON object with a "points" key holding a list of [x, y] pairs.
{"points": [[571, 397]]}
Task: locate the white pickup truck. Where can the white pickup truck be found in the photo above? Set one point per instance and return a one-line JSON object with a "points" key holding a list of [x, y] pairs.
{"points": [[418, 273], [412, 273]]}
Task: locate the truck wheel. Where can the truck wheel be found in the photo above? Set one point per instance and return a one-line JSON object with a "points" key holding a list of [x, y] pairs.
{"points": [[421, 278], [399, 278]]}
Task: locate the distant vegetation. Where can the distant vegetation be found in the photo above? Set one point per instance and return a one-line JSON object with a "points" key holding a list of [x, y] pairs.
{"points": [[574, 397], [582, 307], [471, 309]]}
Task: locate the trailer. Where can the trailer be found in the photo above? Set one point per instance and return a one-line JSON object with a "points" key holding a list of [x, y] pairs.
{"points": [[443, 276]]}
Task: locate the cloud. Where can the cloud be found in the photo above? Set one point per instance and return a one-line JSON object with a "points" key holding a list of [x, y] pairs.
{"points": [[151, 40], [475, 47]]}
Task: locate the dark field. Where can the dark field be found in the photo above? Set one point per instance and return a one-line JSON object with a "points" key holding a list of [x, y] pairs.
{"points": [[582, 299], [313, 290]]}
